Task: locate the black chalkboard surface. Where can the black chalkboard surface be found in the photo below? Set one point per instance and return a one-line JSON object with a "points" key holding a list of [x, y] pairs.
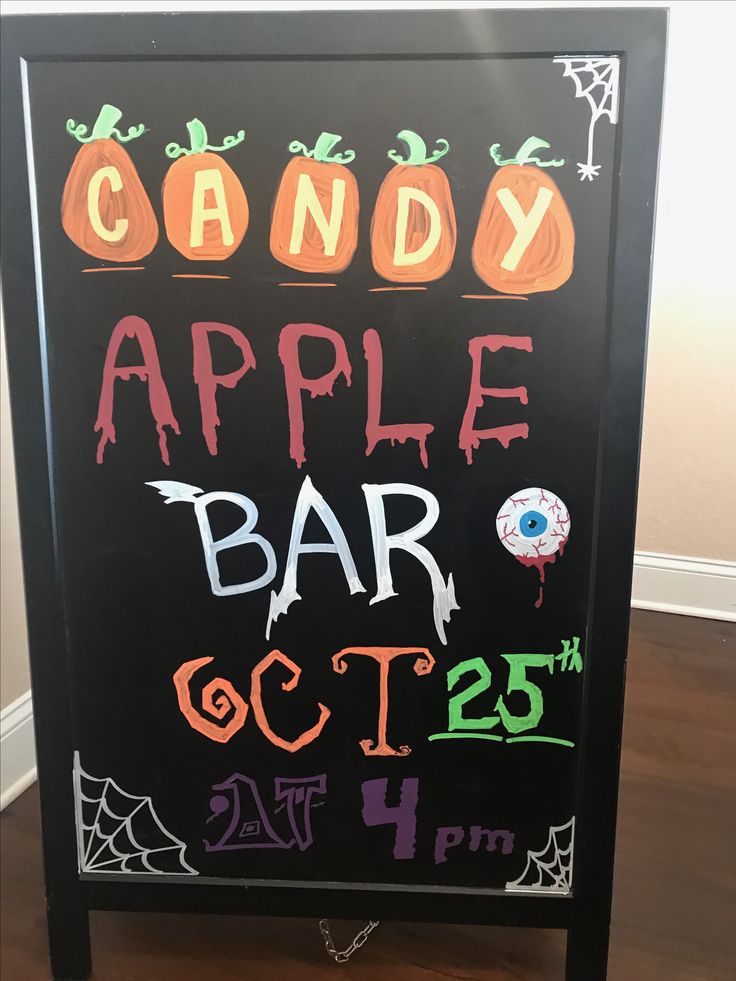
{"points": [[326, 336]]}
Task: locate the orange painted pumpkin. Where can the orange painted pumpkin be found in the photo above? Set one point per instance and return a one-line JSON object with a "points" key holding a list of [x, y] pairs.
{"points": [[413, 231], [305, 234], [105, 210], [205, 207], [525, 239]]}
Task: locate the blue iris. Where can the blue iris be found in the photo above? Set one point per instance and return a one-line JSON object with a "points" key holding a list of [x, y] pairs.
{"points": [[533, 524]]}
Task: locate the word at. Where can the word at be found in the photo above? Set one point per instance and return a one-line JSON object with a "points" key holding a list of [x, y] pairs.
{"points": [[295, 384], [237, 803], [403, 816]]}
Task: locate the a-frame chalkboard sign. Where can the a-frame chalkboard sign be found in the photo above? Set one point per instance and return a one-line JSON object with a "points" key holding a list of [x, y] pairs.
{"points": [[363, 655]]}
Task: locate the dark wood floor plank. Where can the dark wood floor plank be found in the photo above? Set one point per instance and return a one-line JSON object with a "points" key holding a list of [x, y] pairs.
{"points": [[675, 888]]}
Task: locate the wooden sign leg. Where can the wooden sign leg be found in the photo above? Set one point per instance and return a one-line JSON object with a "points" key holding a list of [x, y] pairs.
{"points": [[69, 943], [587, 951]]}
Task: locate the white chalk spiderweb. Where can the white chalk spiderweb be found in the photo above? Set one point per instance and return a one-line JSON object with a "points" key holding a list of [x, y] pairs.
{"points": [[120, 832], [595, 79], [549, 870]]}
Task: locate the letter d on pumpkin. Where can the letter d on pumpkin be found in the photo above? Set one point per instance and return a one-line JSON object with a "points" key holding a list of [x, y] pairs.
{"points": [[413, 231]]}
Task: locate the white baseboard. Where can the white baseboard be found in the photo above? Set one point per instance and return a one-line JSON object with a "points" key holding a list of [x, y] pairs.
{"points": [[691, 587], [17, 749]]}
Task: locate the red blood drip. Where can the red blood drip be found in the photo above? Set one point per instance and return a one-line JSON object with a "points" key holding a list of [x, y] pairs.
{"points": [[539, 562]]}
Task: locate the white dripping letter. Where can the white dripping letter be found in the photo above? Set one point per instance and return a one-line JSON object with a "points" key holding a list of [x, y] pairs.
{"points": [[443, 592], [310, 499], [174, 491]]}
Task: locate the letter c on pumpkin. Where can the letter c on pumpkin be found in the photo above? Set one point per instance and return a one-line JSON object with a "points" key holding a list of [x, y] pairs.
{"points": [[111, 174]]}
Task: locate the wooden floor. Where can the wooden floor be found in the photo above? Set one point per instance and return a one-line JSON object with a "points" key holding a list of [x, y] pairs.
{"points": [[675, 892]]}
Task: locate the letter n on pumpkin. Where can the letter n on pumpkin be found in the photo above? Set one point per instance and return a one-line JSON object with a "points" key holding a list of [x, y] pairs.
{"points": [[314, 224]]}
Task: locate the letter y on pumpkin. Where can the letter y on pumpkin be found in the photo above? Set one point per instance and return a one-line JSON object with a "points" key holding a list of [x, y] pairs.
{"points": [[525, 225]]}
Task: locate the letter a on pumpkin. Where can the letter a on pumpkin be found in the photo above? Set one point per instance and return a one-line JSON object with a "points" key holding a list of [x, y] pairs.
{"points": [[205, 207]]}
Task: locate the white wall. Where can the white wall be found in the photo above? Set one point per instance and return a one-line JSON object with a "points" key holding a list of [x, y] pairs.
{"points": [[17, 756], [14, 675], [688, 469]]}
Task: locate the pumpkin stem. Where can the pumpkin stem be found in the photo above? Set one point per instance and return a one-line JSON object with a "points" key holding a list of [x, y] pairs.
{"points": [[198, 141], [104, 127], [417, 149], [321, 151], [197, 136], [524, 154]]}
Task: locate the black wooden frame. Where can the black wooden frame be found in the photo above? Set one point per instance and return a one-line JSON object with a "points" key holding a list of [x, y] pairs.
{"points": [[638, 37]]}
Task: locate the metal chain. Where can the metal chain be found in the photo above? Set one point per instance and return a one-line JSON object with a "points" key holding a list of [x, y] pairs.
{"points": [[340, 956]]}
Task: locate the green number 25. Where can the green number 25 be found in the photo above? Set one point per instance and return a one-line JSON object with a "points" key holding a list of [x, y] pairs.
{"points": [[518, 681]]}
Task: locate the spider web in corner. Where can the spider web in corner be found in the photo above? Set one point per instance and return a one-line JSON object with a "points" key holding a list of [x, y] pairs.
{"points": [[120, 832], [597, 81], [549, 870]]}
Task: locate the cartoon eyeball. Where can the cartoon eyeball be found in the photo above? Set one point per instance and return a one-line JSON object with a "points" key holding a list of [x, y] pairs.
{"points": [[533, 525]]}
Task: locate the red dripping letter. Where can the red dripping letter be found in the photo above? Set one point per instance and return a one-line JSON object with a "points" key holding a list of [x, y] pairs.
{"points": [[207, 381], [470, 437], [149, 371], [374, 430], [296, 382]]}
